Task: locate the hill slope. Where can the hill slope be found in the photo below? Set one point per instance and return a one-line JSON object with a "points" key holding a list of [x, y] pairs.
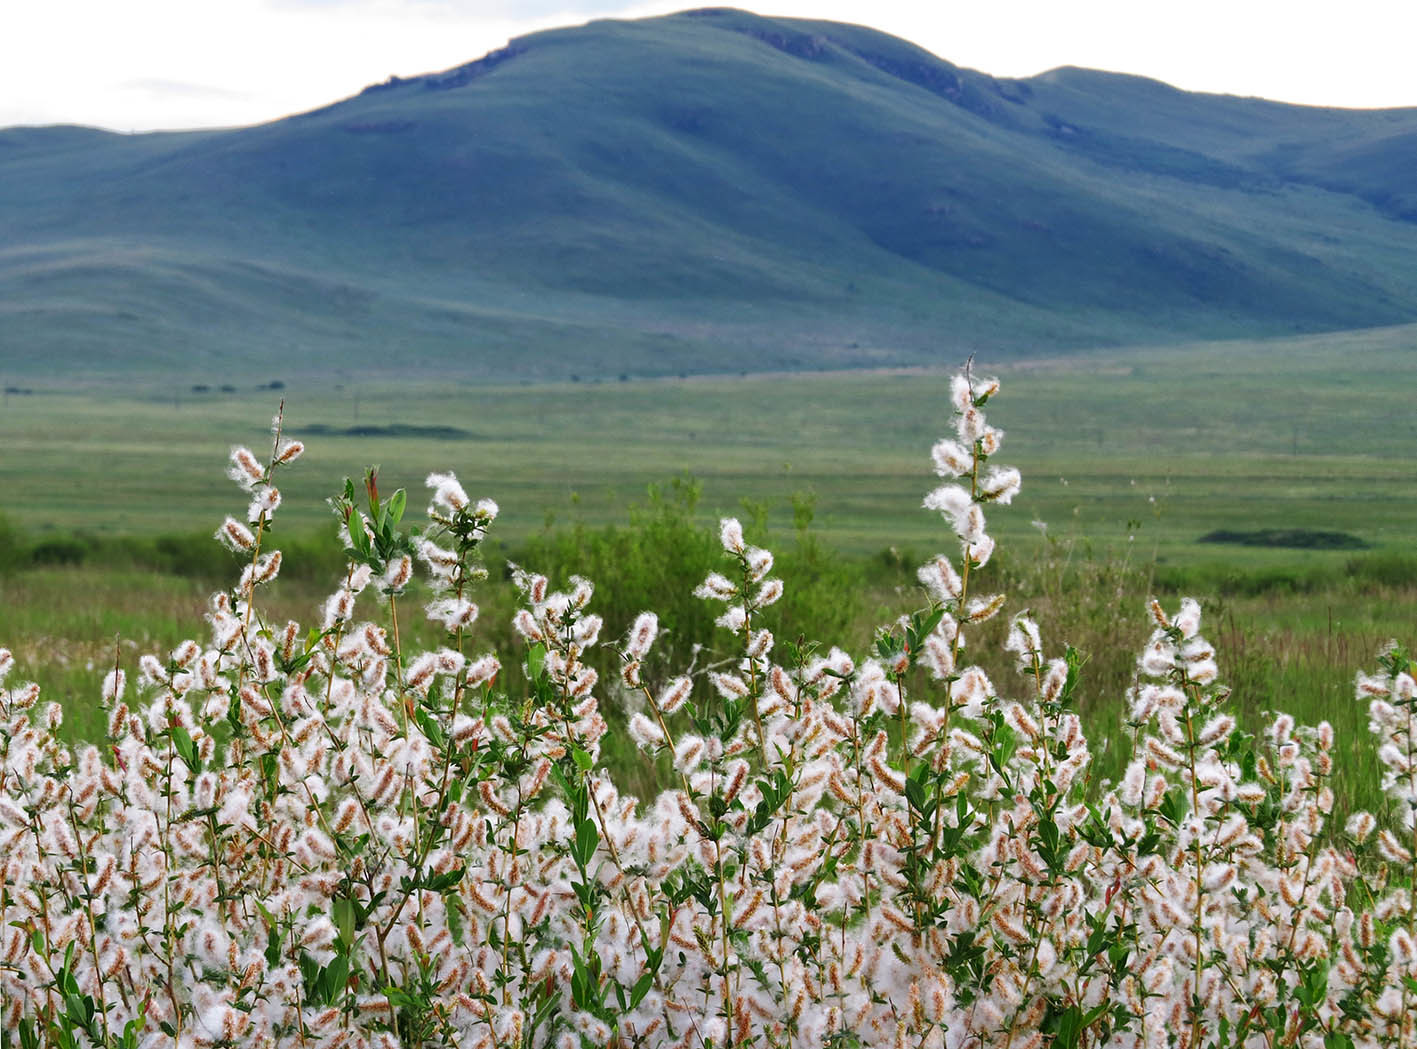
{"points": [[709, 191]]}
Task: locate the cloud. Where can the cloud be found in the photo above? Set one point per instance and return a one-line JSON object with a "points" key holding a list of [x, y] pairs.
{"points": [[158, 87], [509, 10], [146, 64]]}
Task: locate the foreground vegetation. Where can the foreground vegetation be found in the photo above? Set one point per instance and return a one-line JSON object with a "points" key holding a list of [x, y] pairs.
{"points": [[1289, 630], [342, 837], [1136, 458]]}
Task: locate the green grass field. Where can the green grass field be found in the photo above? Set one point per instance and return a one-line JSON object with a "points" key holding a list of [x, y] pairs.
{"points": [[1164, 444]]}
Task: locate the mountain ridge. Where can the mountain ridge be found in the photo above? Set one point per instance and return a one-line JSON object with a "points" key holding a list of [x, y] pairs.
{"points": [[708, 191]]}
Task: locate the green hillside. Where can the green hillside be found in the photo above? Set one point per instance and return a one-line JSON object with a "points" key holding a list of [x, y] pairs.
{"points": [[705, 192]]}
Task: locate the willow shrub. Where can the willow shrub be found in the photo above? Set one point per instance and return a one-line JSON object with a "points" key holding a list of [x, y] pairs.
{"points": [[313, 836]]}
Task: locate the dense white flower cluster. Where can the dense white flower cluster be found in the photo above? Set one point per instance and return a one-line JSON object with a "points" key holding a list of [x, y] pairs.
{"points": [[318, 839]]}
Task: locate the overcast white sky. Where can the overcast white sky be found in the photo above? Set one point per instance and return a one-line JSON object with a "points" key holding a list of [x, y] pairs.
{"points": [[144, 64]]}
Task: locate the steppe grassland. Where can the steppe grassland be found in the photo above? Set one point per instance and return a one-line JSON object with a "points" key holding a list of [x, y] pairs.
{"points": [[1165, 444]]}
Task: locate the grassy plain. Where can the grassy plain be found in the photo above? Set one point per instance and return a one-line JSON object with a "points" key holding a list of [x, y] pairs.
{"points": [[1313, 432], [1128, 458]]}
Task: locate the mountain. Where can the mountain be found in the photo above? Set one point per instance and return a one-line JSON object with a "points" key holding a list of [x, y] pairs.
{"points": [[704, 192]]}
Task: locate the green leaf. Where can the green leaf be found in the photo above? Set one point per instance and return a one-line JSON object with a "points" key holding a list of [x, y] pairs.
{"points": [[445, 881], [310, 973], [587, 837], [536, 662], [185, 747], [397, 502], [922, 627], [198, 814], [1005, 742], [273, 943], [579, 982], [334, 978], [916, 796], [270, 773], [358, 538], [1069, 1028], [430, 727], [342, 911], [456, 927], [1117, 955], [1099, 936], [133, 1028], [1048, 842], [399, 999], [1093, 1015], [775, 792], [1173, 806]]}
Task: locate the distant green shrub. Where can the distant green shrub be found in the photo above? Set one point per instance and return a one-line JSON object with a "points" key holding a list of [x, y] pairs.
{"points": [[1291, 538], [1231, 580], [645, 562], [190, 555], [13, 551], [1387, 568], [59, 550]]}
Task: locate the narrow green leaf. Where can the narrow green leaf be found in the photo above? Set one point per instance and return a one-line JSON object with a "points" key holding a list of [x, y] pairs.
{"points": [[185, 747], [642, 986], [587, 837], [342, 908], [536, 662], [358, 538]]}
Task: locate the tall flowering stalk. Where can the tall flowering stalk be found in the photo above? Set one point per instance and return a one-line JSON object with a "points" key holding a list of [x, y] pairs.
{"points": [[315, 837]]}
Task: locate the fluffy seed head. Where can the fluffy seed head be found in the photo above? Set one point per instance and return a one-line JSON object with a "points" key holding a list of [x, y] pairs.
{"points": [[245, 469], [448, 494], [235, 536], [951, 459], [642, 635], [730, 534], [113, 684]]}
